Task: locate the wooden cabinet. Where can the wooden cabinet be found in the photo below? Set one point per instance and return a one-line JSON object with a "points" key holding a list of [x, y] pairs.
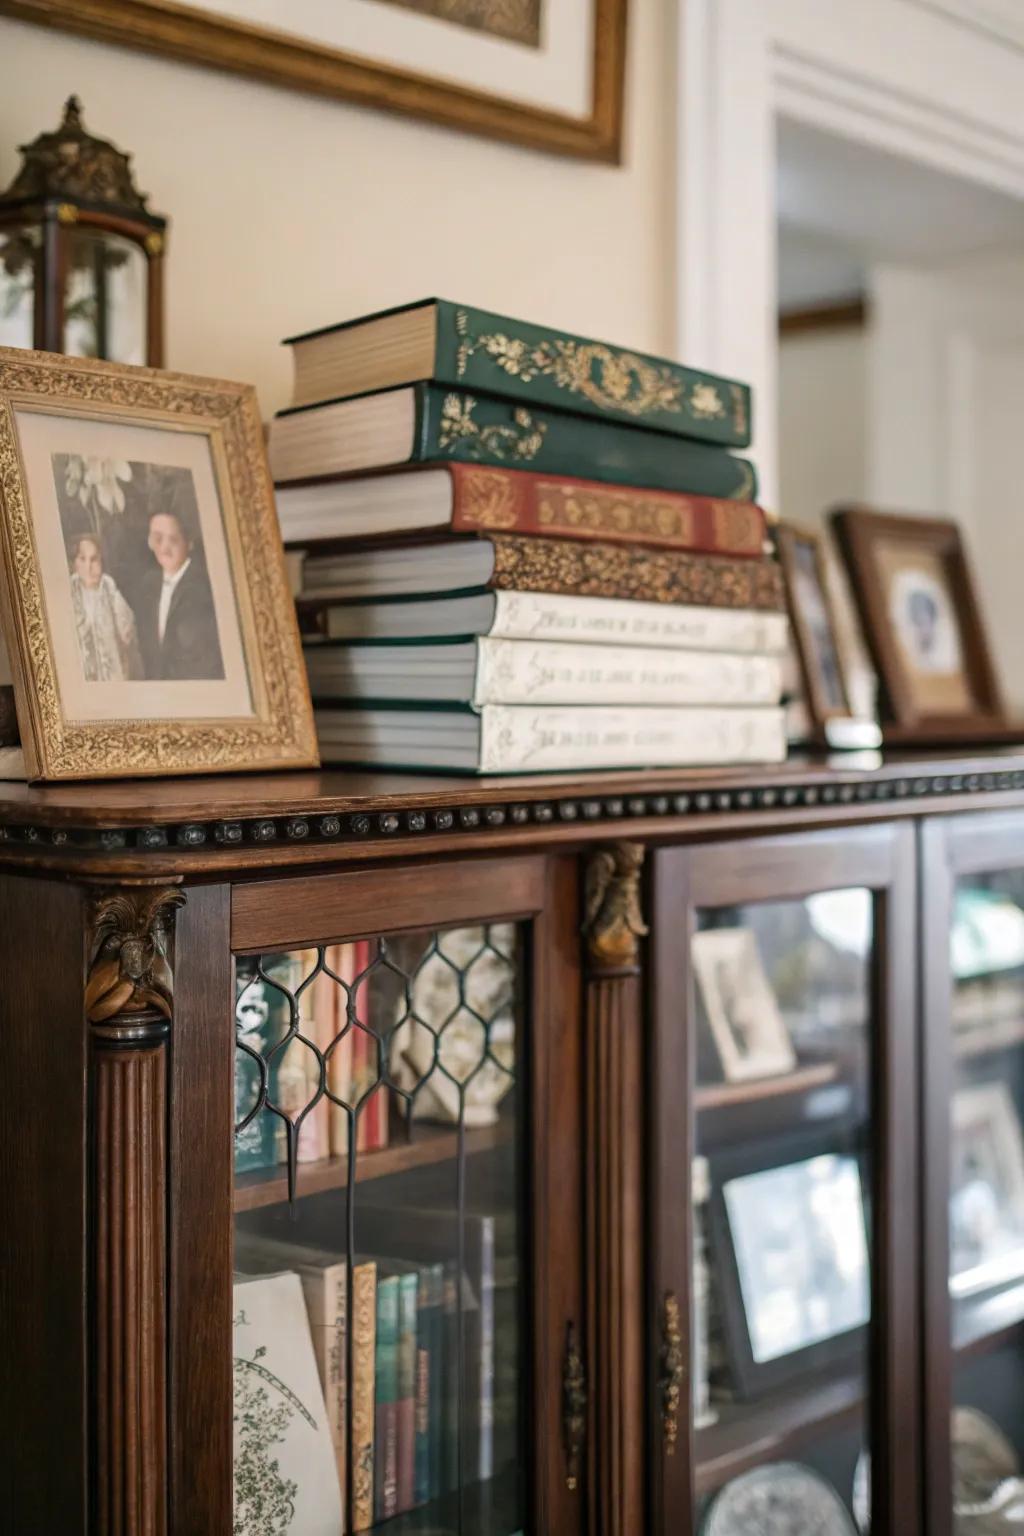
{"points": [[523, 1157]]}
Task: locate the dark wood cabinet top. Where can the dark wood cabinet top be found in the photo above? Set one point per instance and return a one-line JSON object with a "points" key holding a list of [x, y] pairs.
{"points": [[165, 827]]}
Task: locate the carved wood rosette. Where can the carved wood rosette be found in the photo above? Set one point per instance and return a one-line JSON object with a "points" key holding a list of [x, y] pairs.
{"points": [[128, 1005], [612, 932]]}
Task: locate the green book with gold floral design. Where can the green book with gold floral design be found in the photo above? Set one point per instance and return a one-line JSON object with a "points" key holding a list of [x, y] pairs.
{"points": [[466, 348], [425, 423]]}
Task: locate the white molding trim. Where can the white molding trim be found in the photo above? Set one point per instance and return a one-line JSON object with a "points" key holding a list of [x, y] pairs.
{"points": [[845, 102], [1001, 19], [737, 72], [725, 202]]}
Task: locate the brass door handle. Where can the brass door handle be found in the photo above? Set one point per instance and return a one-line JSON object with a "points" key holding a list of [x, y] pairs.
{"points": [[574, 1408], [672, 1371]]}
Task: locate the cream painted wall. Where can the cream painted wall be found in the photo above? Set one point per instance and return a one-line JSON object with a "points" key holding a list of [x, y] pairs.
{"points": [[290, 211], [823, 409]]}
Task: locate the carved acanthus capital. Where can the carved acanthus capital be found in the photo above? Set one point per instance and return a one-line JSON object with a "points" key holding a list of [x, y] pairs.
{"points": [[613, 924], [130, 971]]}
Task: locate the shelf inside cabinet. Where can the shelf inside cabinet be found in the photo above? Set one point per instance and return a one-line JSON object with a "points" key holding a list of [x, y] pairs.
{"points": [[496, 1505], [982, 1323], [747, 1434], [1001, 1034], [428, 1144], [802, 1080]]}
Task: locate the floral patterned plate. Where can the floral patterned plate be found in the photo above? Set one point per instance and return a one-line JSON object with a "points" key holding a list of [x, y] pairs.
{"points": [[784, 1499]]}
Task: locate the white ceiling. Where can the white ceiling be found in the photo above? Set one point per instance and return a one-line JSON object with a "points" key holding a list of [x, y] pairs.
{"points": [[842, 205]]}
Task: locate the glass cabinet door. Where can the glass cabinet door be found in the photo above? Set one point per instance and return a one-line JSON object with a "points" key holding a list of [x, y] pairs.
{"points": [[975, 1044], [784, 979], [383, 1303]]}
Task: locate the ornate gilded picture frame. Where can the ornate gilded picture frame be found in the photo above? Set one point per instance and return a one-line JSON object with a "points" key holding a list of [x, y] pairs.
{"points": [[145, 603], [544, 73]]}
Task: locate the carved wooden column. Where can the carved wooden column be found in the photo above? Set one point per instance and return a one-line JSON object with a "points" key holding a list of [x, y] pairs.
{"points": [[128, 1002], [613, 928]]}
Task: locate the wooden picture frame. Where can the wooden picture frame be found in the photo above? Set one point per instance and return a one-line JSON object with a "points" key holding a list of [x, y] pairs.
{"points": [[198, 36], [145, 601], [815, 631], [937, 678], [755, 1369]]}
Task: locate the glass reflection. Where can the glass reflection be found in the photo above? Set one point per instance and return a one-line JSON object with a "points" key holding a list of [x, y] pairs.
{"points": [[19, 266], [986, 1208], [781, 1186], [105, 297]]}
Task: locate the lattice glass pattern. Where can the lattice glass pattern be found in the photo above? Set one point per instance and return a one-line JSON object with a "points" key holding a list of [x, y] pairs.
{"points": [[378, 1238], [428, 1020]]}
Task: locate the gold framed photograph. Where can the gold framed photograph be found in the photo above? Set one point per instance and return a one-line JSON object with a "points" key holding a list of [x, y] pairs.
{"points": [[543, 73], [146, 608], [921, 618], [743, 1014]]}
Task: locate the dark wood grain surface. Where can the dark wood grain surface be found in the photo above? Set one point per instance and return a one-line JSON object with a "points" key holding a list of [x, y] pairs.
{"points": [[554, 1133], [200, 1226], [614, 1143], [139, 802], [269, 915], [242, 827], [43, 1333]]}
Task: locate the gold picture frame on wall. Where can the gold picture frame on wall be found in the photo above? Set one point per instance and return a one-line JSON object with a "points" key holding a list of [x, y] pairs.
{"points": [[542, 73], [144, 598]]}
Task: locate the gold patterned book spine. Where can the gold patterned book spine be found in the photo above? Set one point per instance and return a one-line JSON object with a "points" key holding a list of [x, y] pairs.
{"points": [[518, 501], [364, 1347], [643, 575]]}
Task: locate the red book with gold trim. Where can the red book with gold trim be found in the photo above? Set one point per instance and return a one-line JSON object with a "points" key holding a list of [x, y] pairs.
{"points": [[470, 498]]}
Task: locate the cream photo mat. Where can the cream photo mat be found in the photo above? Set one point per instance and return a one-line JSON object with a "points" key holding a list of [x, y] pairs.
{"points": [[557, 76]]}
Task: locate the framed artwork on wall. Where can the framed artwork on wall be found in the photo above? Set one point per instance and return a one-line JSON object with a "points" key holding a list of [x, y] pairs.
{"points": [[143, 591], [921, 617], [544, 73]]}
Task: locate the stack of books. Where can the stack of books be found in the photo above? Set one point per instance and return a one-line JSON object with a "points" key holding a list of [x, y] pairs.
{"points": [[525, 551]]}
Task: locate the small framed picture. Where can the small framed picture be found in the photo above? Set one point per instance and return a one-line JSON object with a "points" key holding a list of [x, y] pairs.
{"points": [[790, 1250], [986, 1207], [148, 619], [913, 587], [750, 1036], [815, 632]]}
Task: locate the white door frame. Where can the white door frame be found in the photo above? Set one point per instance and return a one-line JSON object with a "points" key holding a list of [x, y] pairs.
{"points": [[935, 81]]}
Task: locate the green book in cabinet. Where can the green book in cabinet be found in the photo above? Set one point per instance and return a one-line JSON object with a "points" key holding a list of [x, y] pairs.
{"points": [[429, 423], [385, 1495], [458, 346]]}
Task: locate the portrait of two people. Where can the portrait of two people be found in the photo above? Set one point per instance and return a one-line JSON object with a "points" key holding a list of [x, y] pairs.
{"points": [[141, 595]]}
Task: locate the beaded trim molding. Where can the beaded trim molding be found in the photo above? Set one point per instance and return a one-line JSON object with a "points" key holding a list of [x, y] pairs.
{"points": [[381, 826]]}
